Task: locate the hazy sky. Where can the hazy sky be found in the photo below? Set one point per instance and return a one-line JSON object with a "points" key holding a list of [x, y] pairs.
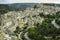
{"points": [[29, 1]]}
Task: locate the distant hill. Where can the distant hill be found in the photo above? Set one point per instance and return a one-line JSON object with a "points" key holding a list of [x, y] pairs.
{"points": [[22, 6], [15, 7], [18, 6], [4, 8]]}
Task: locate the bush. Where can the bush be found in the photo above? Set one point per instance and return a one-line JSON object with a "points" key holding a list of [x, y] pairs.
{"points": [[57, 21], [34, 35]]}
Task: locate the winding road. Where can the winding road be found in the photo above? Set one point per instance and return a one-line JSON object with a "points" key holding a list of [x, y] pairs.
{"points": [[26, 36], [55, 25]]}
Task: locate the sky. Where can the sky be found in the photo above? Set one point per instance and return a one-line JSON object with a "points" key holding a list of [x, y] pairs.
{"points": [[29, 1]]}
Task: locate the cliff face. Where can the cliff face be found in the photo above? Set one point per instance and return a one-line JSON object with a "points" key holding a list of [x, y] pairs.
{"points": [[24, 19]]}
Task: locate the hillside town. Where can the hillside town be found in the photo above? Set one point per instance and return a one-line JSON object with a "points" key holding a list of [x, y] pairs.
{"points": [[41, 22]]}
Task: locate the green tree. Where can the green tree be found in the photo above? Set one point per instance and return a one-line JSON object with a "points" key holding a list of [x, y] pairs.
{"points": [[57, 21], [34, 35]]}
